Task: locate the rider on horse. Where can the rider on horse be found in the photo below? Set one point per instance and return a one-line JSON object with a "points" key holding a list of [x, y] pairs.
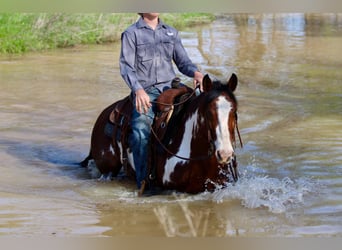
{"points": [[148, 49]]}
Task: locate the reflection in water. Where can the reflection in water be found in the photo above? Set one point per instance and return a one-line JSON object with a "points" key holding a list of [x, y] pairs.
{"points": [[290, 119]]}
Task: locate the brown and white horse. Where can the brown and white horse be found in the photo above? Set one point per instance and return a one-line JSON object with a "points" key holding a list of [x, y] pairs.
{"points": [[195, 154]]}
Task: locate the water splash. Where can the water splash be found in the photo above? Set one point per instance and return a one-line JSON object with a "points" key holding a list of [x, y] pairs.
{"points": [[262, 191], [93, 170], [277, 195]]}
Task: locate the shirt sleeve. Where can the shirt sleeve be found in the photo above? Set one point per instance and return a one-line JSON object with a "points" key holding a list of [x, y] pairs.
{"points": [[127, 61], [182, 60]]}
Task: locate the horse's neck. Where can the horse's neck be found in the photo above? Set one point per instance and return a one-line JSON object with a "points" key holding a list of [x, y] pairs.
{"points": [[188, 120], [194, 120]]}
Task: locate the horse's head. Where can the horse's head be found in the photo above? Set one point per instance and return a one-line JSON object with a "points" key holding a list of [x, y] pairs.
{"points": [[221, 117]]}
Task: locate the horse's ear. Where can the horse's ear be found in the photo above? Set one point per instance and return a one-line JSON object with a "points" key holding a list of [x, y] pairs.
{"points": [[232, 82], [207, 83]]}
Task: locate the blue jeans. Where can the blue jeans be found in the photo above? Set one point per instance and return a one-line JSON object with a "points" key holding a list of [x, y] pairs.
{"points": [[139, 138]]}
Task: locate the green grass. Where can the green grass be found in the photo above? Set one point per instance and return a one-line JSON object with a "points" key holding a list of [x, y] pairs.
{"points": [[24, 32], [183, 20]]}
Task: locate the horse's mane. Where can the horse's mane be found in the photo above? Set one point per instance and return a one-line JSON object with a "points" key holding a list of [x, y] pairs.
{"points": [[173, 123]]}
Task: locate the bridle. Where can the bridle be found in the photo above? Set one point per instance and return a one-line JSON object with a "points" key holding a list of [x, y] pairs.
{"points": [[210, 139]]}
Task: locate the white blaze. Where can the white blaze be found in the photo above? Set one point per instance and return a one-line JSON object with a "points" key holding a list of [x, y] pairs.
{"points": [[223, 142]]}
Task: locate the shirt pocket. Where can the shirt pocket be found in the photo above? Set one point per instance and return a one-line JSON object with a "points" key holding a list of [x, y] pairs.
{"points": [[144, 52], [167, 49], [144, 57]]}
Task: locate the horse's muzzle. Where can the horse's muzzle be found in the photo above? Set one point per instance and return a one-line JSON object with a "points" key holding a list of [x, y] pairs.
{"points": [[224, 156]]}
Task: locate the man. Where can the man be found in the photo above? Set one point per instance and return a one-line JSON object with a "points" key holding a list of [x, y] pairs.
{"points": [[148, 49]]}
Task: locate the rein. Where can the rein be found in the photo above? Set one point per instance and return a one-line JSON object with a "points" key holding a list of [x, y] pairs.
{"points": [[210, 153], [238, 132], [178, 103]]}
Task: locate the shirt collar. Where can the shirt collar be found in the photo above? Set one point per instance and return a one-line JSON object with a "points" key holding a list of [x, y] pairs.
{"points": [[142, 24]]}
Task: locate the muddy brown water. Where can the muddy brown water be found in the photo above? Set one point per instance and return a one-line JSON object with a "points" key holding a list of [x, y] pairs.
{"points": [[290, 117]]}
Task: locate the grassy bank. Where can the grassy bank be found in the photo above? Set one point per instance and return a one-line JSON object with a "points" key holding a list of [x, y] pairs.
{"points": [[23, 32]]}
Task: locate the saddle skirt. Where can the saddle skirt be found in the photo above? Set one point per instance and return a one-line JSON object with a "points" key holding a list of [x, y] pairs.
{"points": [[122, 110]]}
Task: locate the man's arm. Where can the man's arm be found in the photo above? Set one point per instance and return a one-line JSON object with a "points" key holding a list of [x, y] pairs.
{"points": [[128, 73], [184, 63], [127, 61]]}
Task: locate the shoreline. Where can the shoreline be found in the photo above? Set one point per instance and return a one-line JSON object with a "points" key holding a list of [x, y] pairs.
{"points": [[36, 32]]}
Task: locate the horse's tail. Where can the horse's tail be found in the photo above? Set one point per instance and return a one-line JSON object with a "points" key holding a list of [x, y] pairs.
{"points": [[85, 162]]}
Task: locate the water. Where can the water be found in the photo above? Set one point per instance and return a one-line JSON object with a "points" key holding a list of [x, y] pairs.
{"points": [[289, 92]]}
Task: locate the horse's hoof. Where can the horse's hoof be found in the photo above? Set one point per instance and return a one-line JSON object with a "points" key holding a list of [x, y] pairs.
{"points": [[106, 177]]}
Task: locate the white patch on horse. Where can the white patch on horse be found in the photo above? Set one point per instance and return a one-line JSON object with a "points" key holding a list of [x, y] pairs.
{"points": [[121, 152], [111, 149], [222, 131], [128, 153], [184, 148], [130, 158]]}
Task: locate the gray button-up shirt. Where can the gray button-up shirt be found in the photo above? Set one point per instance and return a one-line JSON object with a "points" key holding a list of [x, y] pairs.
{"points": [[146, 56]]}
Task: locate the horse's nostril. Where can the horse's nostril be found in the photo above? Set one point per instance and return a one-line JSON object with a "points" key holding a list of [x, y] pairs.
{"points": [[219, 158], [224, 156]]}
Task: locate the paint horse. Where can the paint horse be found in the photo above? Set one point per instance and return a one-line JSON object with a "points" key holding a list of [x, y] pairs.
{"points": [[192, 150]]}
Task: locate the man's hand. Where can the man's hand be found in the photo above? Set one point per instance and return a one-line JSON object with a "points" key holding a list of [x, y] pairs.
{"points": [[142, 101], [198, 78]]}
